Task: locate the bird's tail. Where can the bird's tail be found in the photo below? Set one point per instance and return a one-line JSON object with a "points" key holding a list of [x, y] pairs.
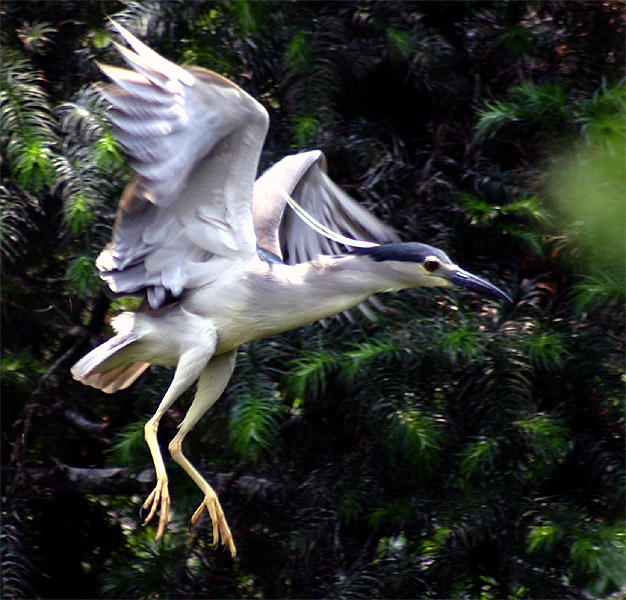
{"points": [[113, 365]]}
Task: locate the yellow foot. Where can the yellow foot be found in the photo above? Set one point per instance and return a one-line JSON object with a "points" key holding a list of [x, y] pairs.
{"points": [[220, 526], [159, 498]]}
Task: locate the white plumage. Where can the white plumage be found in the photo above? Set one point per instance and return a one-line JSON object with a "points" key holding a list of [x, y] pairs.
{"points": [[223, 260]]}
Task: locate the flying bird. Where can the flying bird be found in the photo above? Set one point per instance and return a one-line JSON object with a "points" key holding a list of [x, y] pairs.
{"points": [[222, 259]]}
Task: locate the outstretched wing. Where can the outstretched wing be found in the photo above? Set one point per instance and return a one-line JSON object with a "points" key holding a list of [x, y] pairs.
{"points": [[195, 140], [303, 177]]}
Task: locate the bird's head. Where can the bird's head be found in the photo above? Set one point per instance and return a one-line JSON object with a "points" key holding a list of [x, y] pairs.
{"points": [[412, 264]]}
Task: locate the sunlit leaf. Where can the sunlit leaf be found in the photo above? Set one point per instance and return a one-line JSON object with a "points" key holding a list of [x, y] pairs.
{"points": [[479, 456], [542, 537]]}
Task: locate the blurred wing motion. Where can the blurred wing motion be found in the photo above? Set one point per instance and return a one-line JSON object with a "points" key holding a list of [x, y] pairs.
{"points": [[282, 232], [195, 140]]}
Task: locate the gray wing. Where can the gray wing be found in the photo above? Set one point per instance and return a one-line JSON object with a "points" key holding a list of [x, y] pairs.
{"points": [[195, 139], [280, 231]]}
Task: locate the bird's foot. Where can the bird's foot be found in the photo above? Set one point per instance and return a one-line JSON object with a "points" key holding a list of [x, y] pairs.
{"points": [[159, 498], [221, 530]]}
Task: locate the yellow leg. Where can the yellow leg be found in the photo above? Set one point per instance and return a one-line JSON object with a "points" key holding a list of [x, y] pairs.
{"points": [[211, 503], [210, 387], [160, 496], [189, 367]]}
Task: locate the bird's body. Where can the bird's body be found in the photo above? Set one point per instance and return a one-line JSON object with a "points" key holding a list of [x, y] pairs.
{"points": [[223, 260], [228, 308], [239, 318], [229, 311]]}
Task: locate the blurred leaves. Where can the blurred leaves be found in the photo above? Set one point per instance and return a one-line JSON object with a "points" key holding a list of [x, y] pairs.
{"points": [[588, 185]]}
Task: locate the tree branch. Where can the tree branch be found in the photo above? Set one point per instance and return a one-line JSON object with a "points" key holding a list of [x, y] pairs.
{"points": [[117, 481]]}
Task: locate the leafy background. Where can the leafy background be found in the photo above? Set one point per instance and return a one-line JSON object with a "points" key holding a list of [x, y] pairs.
{"points": [[451, 447]]}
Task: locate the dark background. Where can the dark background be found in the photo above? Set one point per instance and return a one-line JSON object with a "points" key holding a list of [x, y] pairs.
{"points": [[452, 448]]}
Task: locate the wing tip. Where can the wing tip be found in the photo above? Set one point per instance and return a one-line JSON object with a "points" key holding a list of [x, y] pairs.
{"points": [[143, 57]]}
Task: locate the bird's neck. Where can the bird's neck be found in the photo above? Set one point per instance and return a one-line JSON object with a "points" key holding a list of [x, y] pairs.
{"points": [[308, 292], [268, 299]]}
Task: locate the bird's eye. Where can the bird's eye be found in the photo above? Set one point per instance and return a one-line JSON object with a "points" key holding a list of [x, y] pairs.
{"points": [[431, 266]]}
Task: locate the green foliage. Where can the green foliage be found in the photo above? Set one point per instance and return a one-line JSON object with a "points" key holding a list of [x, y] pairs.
{"points": [[107, 152], [493, 117], [516, 39], [598, 551], [543, 106], [305, 130], [400, 41], [78, 215], [87, 172], [142, 571], [542, 537], [547, 350], [588, 185], [464, 342], [523, 218], [454, 447], [483, 213], [397, 513], [29, 140], [594, 291], [35, 36], [23, 103], [123, 303], [309, 373], [129, 447], [17, 223], [18, 572], [253, 426], [548, 439], [479, 457], [368, 354], [251, 15], [80, 274], [350, 506], [298, 53], [528, 209], [33, 165], [601, 116], [599, 555], [417, 436], [19, 373]]}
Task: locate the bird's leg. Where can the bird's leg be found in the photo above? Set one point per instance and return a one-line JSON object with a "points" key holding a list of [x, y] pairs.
{"points": [[188, 369], [211, 503], [160, 494], [212, 382]]}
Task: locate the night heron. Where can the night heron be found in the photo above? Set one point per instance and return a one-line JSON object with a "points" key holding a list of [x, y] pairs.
{"points": [[220, 259]]}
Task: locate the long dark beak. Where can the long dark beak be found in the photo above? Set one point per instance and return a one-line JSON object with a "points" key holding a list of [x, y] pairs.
{"points": [[467, 281]]}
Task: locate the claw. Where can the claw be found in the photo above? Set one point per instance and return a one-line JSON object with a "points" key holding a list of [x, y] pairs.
{"points": [[220, 527], [159, 498]]}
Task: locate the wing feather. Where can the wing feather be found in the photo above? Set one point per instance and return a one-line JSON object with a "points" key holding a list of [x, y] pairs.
{"points": [[303, 177], [194, 139]]}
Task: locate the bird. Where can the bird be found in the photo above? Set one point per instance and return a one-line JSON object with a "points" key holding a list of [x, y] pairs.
{"points": [[220, 257]]}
